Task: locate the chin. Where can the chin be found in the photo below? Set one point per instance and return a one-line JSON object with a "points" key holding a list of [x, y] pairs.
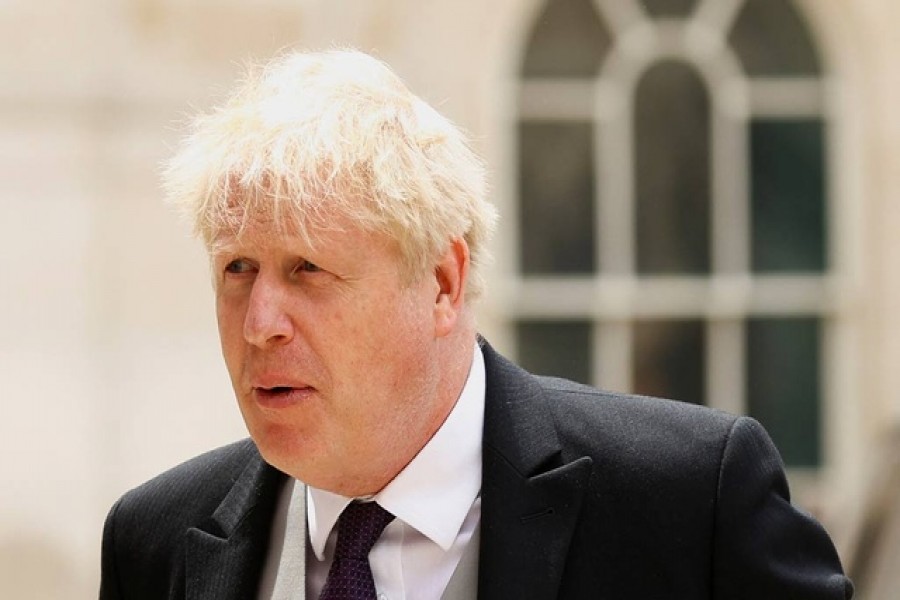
{"points": [[280, 446]]}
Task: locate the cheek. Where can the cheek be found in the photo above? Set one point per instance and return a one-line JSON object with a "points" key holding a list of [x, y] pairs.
{"points": [[398, 332], [230, 313], [230, 322], [414, 316], [408, 335]]}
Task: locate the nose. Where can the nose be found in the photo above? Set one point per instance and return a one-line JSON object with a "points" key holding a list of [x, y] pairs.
{"points": [[267, 322]]}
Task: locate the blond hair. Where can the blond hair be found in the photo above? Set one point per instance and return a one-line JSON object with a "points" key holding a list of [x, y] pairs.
{"points": [[312, 136]]}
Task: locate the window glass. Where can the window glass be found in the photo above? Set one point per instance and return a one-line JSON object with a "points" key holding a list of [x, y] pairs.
{"points": [[787, 191], [568, 40], [669, 359], [670, 8], [556, 186], [558, 348], [771, 39], [672, 172], [783, 384]]}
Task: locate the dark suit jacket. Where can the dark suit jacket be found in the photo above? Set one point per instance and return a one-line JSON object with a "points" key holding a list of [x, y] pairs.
{"points": [[585, 494]]}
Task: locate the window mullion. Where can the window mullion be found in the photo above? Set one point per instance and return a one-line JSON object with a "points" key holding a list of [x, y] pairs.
{"points": [[621, 15], [730, 191], [786, 97], [718, 14], [612, 342], [725, 365], [614, 184]]}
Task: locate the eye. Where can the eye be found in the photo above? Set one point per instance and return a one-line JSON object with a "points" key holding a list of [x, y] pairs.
{"points": [[238, 266], [308, 267]]}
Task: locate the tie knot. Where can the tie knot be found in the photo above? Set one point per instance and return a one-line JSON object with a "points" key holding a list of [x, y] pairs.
{"points": [[359, 527]]}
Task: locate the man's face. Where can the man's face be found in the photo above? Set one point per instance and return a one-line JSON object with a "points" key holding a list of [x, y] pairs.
{"points": [[331, 352]]}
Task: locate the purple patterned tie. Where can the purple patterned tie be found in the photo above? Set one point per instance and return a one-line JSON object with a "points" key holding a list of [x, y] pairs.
{"points": [[350, 577]]}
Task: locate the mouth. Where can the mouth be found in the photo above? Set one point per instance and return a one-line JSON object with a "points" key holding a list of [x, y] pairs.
{"points": [[278, 397], [281, 389]]}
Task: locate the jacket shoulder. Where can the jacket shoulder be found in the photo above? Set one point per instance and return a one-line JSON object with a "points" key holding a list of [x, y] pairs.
{"points": [[182, 497], [641, 435], [144, 533], [198, 484], [653, 429]]}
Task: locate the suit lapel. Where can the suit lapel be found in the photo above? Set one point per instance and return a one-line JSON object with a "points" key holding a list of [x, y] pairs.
{"points": [[224, 555], [531, 493]]}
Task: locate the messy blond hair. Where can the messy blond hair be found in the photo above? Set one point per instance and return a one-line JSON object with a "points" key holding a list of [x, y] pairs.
{"points": [[312, 136]]}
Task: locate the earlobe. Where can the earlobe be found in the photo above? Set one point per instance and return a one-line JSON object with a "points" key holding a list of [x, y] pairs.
{"points": [[451, 274]]}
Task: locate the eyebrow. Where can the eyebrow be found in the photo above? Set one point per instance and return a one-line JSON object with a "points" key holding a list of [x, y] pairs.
{"points": [[229, 245]]}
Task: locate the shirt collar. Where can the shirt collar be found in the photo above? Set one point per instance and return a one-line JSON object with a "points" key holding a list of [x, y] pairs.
{"points": [[434, 492]]}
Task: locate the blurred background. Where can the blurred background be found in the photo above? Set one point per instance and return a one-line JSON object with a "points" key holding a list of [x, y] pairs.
{"points": [[699, 200]]}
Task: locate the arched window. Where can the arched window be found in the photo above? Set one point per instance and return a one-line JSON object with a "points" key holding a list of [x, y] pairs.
{"points": [[673, 222]]}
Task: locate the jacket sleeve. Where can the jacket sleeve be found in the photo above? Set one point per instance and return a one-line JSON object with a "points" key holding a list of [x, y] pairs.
{"points": [[109, 577], [763, 546]]}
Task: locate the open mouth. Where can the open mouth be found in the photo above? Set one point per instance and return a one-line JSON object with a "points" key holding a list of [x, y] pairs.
{"points": [[275, 392], [280, 396]]}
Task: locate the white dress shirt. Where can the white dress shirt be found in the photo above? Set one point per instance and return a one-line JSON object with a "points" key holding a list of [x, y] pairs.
{"points": [[435, 501]]}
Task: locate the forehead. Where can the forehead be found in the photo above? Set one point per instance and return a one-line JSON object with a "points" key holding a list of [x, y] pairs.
{"points": [[327, 235], [246, 219]]}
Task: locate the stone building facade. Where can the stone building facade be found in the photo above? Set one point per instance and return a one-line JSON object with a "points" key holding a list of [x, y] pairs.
{"points": [[110, 364]]}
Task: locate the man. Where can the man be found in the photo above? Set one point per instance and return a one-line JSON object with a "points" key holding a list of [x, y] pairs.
{"points": [[393, 451]]}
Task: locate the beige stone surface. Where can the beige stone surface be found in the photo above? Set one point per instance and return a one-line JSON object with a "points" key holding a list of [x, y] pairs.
{"points": [[109, 363]]}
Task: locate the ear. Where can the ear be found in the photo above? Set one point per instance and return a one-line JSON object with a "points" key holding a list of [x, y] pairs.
{"points": [[451, 274]]}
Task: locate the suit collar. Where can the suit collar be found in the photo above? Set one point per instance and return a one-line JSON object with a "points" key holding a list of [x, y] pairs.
{"points": [[517, 424], [224, 555], [531, 492]]}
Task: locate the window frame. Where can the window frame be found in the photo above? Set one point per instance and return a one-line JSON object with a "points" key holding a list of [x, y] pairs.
{"points": [[615, 296]]}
